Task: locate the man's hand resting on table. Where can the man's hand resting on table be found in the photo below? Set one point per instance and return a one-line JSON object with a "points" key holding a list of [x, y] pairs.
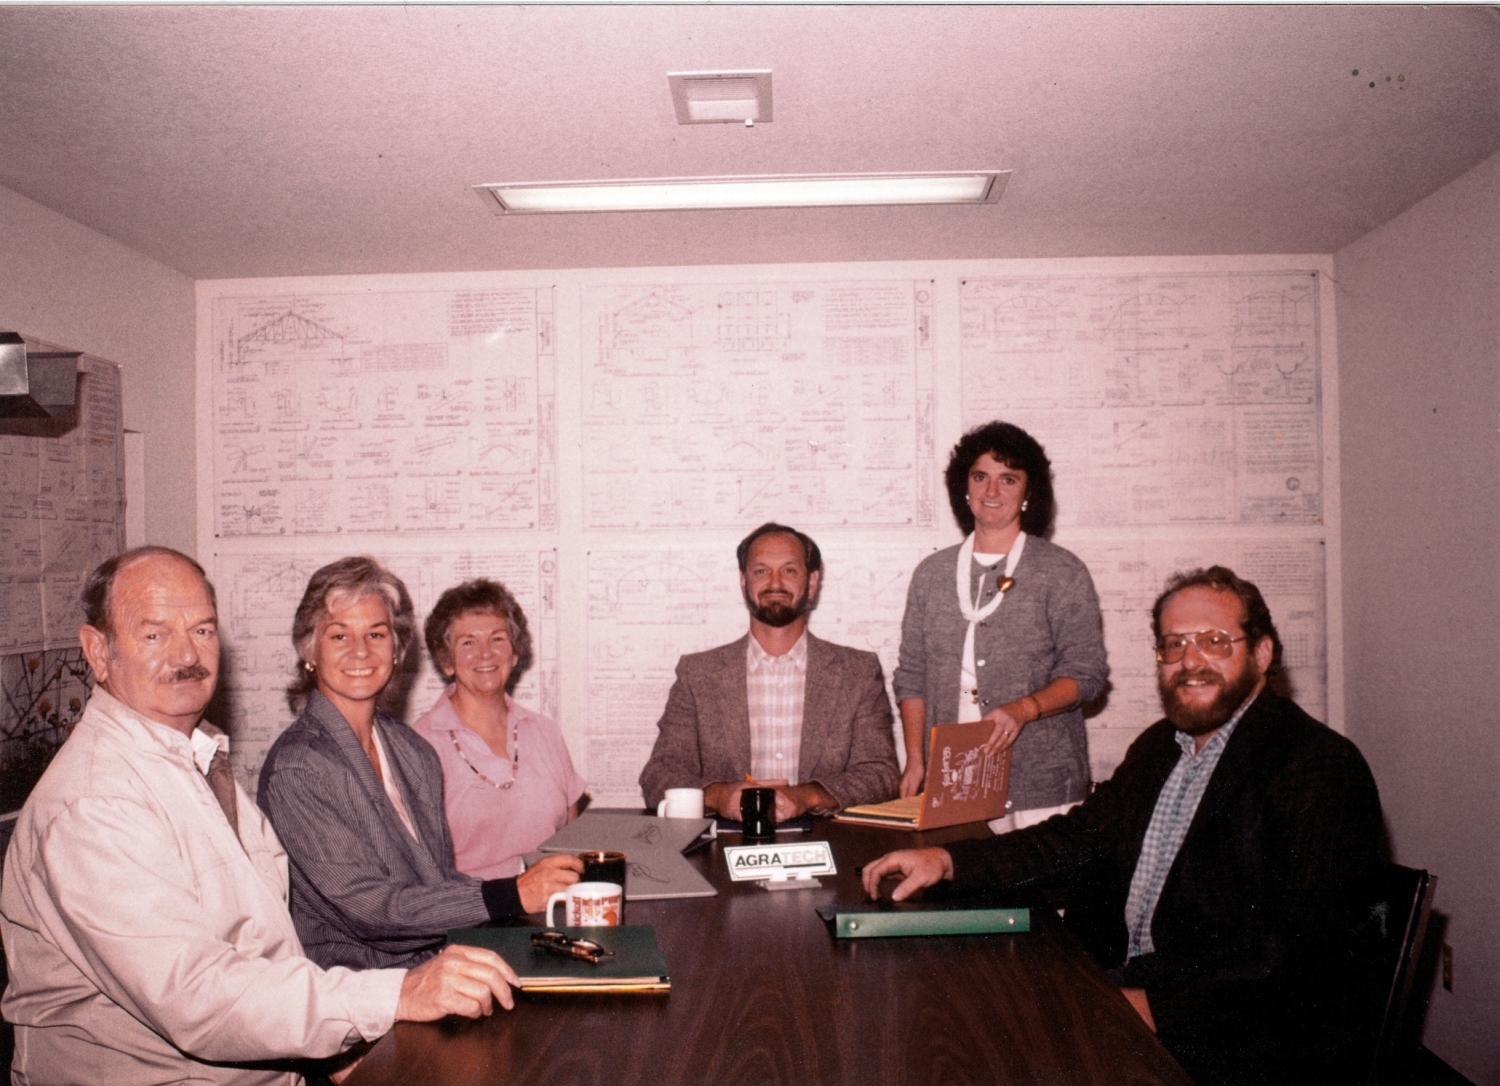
{"points": [[917, 868], [462, 980], [792, 800]]}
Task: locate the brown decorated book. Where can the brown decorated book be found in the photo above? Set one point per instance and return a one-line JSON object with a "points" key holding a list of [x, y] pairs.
{"points": [[963, 784]]}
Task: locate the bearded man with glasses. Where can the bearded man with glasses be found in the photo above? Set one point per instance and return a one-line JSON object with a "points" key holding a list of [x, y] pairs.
{"points": [[1219, 874]]}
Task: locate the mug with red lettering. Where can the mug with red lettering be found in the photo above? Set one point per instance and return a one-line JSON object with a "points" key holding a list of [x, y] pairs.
{"points": [[588, 905]]}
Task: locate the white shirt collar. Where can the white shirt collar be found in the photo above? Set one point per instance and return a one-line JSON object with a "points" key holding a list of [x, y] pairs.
{"points": [[205, 746], [756, 657]]}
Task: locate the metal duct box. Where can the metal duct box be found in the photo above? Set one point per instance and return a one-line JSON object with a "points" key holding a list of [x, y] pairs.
{"points": [[37, 384]]}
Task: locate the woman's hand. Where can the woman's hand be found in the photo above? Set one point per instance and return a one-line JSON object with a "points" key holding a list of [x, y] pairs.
{"points": [[912, 777], [546, 877], [1008, 721], [914, 735]]}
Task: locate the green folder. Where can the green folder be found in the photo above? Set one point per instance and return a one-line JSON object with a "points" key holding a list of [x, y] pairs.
{"points": [[854, 922], [637, 964]]}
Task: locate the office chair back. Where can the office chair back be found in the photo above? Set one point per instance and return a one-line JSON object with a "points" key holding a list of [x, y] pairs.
{"points": [[1389, 942]]}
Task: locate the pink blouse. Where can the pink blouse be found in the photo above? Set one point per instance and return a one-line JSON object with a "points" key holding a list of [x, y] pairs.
{"points": [[493, 827]]}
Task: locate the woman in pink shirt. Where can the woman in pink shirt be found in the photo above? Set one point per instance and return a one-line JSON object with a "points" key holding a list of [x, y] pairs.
{"points": [[508, 783]]}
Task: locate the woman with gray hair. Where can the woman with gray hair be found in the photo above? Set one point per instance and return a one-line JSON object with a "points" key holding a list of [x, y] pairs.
{"points": [[508, 782], [357, 798]]}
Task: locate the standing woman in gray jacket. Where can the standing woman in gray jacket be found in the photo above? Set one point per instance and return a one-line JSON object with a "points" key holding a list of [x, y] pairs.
{"points": [[1004, 627]]}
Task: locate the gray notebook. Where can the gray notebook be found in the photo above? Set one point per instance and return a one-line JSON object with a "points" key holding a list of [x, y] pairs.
{"points": [[652, 846]]}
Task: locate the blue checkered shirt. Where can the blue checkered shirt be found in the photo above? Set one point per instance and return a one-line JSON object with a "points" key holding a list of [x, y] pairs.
{"points": [[1175, 806]]}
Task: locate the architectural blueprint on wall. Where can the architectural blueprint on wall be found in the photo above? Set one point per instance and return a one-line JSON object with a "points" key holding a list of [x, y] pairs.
{"points": [[648, 607], [62, 512], [1187, 406], [374, 411], [706, 405], [259, 593], [1182, 399]]}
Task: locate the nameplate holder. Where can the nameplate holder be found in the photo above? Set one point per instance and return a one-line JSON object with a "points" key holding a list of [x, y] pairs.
{"points": [[781, 866]]}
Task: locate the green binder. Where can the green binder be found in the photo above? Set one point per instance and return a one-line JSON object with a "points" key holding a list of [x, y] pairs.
{"points": [[853, 922], [637, 964]]}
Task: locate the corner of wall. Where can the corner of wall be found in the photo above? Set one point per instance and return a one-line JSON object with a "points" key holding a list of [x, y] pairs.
{"points": [[1419, 364], [78, 288]]}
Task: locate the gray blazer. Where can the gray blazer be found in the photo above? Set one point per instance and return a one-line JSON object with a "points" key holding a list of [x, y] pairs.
{"points": [[1049, 626], [364, 892], [704, 732]]}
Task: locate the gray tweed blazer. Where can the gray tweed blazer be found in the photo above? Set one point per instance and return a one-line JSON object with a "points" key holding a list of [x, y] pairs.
{"points": [[365, 893], [704, 733]]}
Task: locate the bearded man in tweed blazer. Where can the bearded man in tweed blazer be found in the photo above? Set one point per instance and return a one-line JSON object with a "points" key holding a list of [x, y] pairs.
{"points": [[779, 706]]}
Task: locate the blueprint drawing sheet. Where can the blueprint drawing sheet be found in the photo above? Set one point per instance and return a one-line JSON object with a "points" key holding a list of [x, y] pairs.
{"points": [[706, 405], [381, 412], [1187, 399]]}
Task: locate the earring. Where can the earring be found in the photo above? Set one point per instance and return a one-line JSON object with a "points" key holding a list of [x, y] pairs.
{"points": [[1024, 505], [307, 666]]}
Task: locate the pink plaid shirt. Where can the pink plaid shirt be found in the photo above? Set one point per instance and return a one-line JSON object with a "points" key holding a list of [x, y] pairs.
{"points": [[774, 686]]}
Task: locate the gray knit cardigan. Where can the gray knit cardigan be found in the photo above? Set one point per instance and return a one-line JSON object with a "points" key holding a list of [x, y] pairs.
{"points": [[1048, 626]]}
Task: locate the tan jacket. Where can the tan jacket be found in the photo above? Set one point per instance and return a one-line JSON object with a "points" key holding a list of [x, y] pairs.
{"points": [[143, 939]]}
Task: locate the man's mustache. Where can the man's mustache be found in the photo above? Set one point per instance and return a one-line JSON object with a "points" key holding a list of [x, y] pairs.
{"points": [[1202, 674], [188, 674]]}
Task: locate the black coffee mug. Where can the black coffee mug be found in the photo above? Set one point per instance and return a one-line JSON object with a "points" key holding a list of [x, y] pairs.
{"points": [[758, 813], [603, 867]]}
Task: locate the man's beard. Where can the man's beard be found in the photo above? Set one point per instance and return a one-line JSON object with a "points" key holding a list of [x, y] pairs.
{"points": [[1200, 720], [779, 611]]}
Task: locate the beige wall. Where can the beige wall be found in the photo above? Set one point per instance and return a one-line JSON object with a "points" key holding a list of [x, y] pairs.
{"points": [[76, 288], [1419, 365]]}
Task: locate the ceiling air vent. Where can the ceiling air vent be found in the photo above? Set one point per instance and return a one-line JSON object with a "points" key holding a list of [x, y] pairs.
{"points": [[721, 97]]}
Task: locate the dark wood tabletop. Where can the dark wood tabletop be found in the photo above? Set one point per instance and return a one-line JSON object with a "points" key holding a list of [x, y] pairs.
{"points": [[762, 993]]}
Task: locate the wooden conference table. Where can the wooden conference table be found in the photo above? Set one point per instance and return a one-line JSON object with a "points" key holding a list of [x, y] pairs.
{"points": [[762, 993]]}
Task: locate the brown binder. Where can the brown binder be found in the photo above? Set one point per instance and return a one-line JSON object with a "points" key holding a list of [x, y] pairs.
{"points": [[963, 784]]}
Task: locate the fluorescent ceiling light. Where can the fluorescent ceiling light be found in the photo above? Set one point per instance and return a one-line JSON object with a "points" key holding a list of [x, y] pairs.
{"points": [[704, 193]]}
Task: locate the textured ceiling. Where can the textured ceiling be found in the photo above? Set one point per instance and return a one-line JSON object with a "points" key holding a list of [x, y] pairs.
{"points": [[258, 141]]}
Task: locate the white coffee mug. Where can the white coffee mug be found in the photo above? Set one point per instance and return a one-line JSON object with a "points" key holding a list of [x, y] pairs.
{"points": [[681, 803], [589, 905]]}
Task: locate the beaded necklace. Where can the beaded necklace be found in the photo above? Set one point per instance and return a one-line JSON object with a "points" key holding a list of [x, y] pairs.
{"points": [[515, 756]]}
